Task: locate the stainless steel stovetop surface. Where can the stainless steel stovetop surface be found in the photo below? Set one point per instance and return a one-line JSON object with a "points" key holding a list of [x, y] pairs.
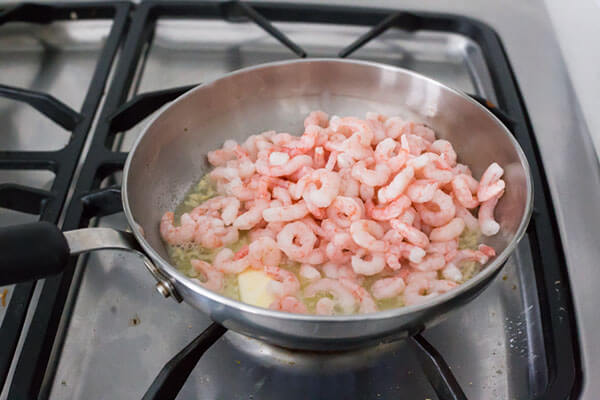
{"points": [[122, 331]]}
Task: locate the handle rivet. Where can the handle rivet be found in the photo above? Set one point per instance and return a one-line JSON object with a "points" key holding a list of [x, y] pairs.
{"points": [[163, 289]]}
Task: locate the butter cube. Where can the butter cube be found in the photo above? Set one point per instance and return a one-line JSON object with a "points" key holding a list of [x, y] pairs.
{"points": [[254, 290]]}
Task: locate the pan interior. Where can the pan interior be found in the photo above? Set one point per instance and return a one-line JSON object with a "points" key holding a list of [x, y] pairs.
{"points": [[170, 156]]}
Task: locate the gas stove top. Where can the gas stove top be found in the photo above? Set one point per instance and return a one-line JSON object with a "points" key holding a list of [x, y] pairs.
{"points": [[99, 330]]}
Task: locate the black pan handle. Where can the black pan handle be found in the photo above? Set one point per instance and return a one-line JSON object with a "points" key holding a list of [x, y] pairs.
{"points": [[37, 250], [31, 251]]}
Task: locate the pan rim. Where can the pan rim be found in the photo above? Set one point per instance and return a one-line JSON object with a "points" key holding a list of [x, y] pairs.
{"points": [[172, 272]]}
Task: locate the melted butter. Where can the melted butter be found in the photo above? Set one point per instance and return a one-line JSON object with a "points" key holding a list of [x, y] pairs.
{"points": [[181, 256]]}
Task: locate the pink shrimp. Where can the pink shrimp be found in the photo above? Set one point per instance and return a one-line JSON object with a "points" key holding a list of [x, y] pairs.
{"points": [[296, 240], [285, 213], [344, 160], [275, 227], [336, 271], [213, 278], [265, 167], [431, 262], [426, 229], [330, 228], [309, 272], [462, 169], [306, 142], [312, 224], [322, 188], [445, 149], [317, 256], [177, 235], [256, 234], [318, 118], [433, 171], [229, 236], [282, 194], [212, 233], [418, 129], [367, 263], [411, 275], [470, 221], [366, 302], [331, 161], [355, 149], [412, 234], [442, 247], [221, 156], [490, 184], [462, 191], [325, 306], [421, 290], [281, 139], [452, 270], [236, 187], [470, 181], [396, 186], [393, 127], [349, 186], [388, 211], [420, 162], [340, 248], [460, 256], [393, 237], [389, 151], [224, 174], [439, 211], [264, 251], [345, 210], [422, 190], [316, 212], [414, 144], [410, 217], [228, 207], [451, 230], [487, 250], [319, 158], [284, 284], [289, 304], [251, 145], [399, 249], [375, 116], [245, 167], [452, 273], [373, 177], [388, 288], [351, 125], [375, 122], [342, 296], [368, 234], [366, 192], [412, 253], [392, 258], [252, 217], [487, 223], [232, 263]]}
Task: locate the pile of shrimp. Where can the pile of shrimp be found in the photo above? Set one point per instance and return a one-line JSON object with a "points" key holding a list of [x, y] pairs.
{"points": [[353, 201]]}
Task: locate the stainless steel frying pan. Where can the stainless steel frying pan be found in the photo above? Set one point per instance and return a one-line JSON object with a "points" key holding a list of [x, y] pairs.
{"points": [[169, 157]]}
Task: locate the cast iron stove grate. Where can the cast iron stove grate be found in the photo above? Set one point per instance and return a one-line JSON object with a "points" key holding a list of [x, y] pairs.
{"points": [[47, 204]]}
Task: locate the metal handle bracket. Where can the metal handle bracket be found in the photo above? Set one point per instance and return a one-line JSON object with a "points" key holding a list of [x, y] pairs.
{"points": [[90, 239]]}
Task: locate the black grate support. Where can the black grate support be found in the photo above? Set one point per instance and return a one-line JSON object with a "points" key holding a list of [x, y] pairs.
{"points": [[48, 204]]}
